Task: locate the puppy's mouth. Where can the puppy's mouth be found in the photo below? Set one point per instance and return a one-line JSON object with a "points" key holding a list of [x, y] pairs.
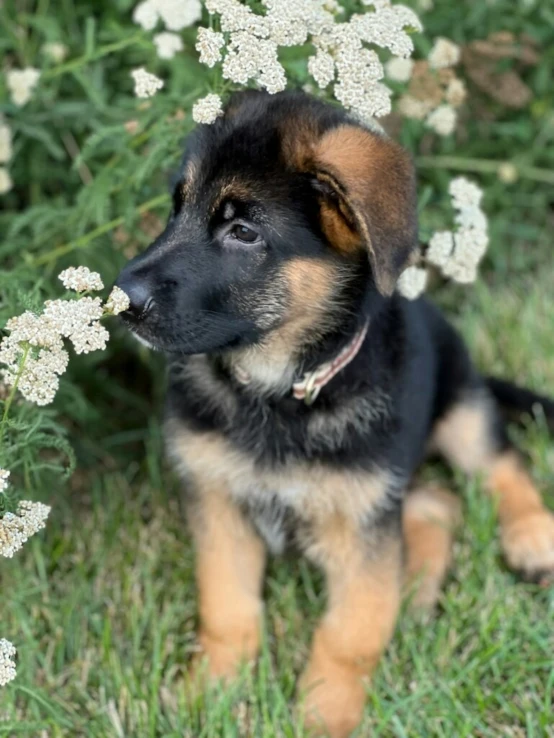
{"points": [[198, 337]]}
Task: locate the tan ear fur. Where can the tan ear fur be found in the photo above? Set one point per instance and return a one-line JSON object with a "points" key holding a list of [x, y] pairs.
{"points": [[373, 180]]}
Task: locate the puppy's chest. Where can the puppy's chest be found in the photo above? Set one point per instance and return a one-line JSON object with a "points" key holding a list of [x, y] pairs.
{"points": [[284, 501]]}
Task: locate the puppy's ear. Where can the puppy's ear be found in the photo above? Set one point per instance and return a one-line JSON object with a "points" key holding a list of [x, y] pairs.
{"points": [[368, 199]]}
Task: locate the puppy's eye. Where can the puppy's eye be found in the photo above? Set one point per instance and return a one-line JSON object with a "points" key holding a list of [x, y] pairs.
{"points": [[244, 234]]}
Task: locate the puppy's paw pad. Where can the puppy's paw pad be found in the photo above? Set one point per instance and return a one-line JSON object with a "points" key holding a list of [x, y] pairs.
{"points": [[528, 545]]}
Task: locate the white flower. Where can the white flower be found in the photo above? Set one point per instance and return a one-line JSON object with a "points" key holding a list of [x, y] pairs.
{"points": [[4, 476], [39, 377], [179, 14], [6, 150], [208, 45], [33, 329], [385, 27], [78, 321], [146, 84], [442, 120], [249, 57], [464, 193], [146, 14], [458, 253], [5, 181], [21, 83], [56, 51], [7, 664], [81, 279], [456, 92], [167, 44], [322, 68], [412, 282], [440, 248], [445, 53], [412, 107], [341, 57], [16, 529], [207, 109], [117, 302], [176, 14], [399, 69], [34, 354]]}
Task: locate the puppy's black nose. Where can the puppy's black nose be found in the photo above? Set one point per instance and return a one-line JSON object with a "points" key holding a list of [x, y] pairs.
{"points": [[139, 293]]}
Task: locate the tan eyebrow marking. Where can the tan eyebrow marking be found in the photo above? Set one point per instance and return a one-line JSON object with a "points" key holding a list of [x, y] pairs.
{"points": [[230, 190]]}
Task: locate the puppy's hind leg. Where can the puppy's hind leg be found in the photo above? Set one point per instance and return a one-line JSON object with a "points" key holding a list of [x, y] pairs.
{"points": [[430, 515], [471, 436]]}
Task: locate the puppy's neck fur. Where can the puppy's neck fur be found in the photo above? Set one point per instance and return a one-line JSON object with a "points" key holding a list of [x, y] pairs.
{"points": [[273, 365]]}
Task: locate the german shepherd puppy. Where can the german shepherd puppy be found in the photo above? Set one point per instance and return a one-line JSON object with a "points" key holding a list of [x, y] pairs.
{"points": [[304, 392]]}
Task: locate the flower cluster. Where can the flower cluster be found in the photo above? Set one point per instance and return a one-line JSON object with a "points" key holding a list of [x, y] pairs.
{"points": [[117, 302], [6, 153], [455, 253], [17, 528], [7, 664], [55, 51], [21, 83], [4, 476], [81, 279], [175, 14], [167, 44], [146, 84], [412, 282], [434, 93], [34, 351], [344, 54], [207, 109]]}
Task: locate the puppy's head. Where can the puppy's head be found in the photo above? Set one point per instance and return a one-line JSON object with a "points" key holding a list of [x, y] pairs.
{"points": [[287, 216]]}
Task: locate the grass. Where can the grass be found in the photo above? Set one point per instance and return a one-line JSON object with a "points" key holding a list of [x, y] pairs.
{"points": [[102, 605]]}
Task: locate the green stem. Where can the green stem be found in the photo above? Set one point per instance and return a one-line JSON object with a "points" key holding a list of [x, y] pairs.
{"points": [[70, 66], [485, 166], [83, 241], [8, 403]]}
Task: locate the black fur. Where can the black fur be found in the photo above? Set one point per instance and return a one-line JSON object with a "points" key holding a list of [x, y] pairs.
{"points": [[214, 297]]}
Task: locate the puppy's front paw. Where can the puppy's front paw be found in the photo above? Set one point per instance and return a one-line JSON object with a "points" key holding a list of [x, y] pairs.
{"points": [[216, 662], [333, 703], [528, 544]]}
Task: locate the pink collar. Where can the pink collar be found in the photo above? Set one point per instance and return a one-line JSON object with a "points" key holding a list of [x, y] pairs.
{"points": [[309, 386]]}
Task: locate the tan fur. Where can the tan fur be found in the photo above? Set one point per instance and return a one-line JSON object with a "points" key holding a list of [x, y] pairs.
{"points": [[464, 435], [430, 515], [374, 177], [310, 285], [231, 189], [230, 561], [364, 595], [313, 491], [337, 229], [526, 525]]}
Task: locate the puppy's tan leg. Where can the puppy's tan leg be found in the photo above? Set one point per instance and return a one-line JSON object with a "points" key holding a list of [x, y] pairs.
{"points": [[364, 595], [526, 525], [430, 515], [467, 436], [230, 561]]}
